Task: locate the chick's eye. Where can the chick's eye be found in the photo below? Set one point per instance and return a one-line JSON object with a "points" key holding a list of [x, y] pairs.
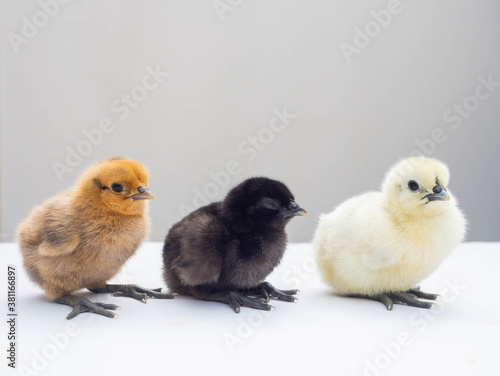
{"points": [[413, 185], [117, 187], [293, 205], [270, 204]]}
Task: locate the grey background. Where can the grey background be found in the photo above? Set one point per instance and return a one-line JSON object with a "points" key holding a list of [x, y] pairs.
{"points": [[353, 120]]}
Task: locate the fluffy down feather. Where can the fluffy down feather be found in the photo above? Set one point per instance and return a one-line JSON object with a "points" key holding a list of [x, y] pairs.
{"points": [[224, 251], [390, 240], [82, 237]]}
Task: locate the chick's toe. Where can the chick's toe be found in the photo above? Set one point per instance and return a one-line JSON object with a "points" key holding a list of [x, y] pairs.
{"points": [[423, 295], [133, 291], [81, 304], [234, 299], [410, 298], [266, 291]]}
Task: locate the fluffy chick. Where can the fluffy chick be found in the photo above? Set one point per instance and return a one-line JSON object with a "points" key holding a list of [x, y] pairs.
{"points": [[82, 237], [223, 251], [379, 245]]}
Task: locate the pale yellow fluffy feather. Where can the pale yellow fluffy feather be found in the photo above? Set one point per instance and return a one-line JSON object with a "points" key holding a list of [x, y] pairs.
{"points": [[389, 240]]}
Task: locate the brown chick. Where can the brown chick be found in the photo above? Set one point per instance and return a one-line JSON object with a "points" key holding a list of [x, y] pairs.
{"points": [[82, 237]]}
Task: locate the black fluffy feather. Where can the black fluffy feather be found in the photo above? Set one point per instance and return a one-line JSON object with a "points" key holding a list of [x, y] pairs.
{"points": [[225, 250]]}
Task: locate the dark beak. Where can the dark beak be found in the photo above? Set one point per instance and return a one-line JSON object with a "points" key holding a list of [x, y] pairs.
{"points": [[143, 194], [443, 196], [439, 194], [295, 212]]}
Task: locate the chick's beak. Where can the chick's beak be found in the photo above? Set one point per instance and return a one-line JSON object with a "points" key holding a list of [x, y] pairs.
{"points": [[294, 211], [439, 194], [143, 194]]}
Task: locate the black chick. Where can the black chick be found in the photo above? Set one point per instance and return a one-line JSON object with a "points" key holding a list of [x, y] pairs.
{"points": [[223, 251]]}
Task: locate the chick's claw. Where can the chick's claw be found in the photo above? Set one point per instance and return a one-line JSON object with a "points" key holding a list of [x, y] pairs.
{"points": [[81, 305], [410, 298], [133, 291], [265, 291], [132, 294], [236, 300], [423, 295]]}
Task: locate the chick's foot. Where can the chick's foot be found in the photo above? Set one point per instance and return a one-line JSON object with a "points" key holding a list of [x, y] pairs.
{"points": [[81, 304], [236, 300], [410, 298], [266, 291], [133, 291]]}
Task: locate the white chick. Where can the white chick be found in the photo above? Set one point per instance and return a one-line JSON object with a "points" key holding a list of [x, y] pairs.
{"points": [[379, 245]]}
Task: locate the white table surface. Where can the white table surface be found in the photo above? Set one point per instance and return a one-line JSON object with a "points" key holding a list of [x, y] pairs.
{"points": [[321, 334]]}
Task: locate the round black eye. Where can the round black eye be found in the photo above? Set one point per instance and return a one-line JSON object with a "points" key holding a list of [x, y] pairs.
{"points": [[413, 185], [117, 187], [293, 205]]}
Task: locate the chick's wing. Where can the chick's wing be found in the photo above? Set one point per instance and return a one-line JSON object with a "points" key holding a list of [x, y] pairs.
{"points": [[198, 241], [58, 226]]}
